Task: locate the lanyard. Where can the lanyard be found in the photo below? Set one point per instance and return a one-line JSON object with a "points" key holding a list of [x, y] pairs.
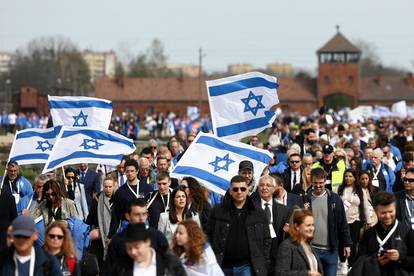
{"points": [[382, 242], [136, 194], [168, 201], [376, 173], [17, 185], [409, 213], [31, 266]]}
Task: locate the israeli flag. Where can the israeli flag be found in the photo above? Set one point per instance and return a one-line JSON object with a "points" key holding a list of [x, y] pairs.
{"points": [[80, 111], [88, 145], [214, 161], [241, 105], [33, 145]]}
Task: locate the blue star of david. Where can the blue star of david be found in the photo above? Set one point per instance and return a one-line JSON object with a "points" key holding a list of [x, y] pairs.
{"points": [[44, 145], [225, 167], [258, 100], [82, 116], [91, 144]]}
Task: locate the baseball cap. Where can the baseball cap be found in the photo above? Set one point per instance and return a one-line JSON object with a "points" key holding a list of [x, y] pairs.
{"points": [[23, 226], [327, 149], [246, 164], [136, 232]]}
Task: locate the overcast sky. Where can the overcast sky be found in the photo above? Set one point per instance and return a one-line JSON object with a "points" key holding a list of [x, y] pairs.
{"points": [[229, 31]]}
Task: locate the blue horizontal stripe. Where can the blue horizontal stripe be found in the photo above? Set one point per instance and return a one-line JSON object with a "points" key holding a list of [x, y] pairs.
{"points": [[28, 134], [84, 154], [227, 88], [202, 174], [100, 135], [79, 104], [29, 156], [215, 143], [245, 126]]}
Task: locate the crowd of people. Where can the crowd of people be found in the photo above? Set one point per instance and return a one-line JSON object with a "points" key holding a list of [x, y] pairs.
{"points": [[158, 125], [335, 198]]}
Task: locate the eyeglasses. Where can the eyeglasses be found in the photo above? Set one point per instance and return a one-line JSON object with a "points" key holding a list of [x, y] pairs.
{"points": [[410, 180], [294, 161], [70, 177], [51, 194], [190, 141], [236, 189], [184, 186], [53, 236], [153, 147]]}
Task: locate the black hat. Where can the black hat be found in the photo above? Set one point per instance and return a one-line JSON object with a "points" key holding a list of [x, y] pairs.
{"points": [[341, 128], [246, 164], [327, 149], [136, 232]]}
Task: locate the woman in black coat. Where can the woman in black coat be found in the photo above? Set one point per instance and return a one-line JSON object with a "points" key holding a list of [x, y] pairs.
{"points": [[295, 254]]}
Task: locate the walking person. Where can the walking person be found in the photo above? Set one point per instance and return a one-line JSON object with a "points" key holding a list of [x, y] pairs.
{"points": [[296, 255]]}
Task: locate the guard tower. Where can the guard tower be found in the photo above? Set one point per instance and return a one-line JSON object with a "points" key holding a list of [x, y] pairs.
{"points": [[338, 73]]}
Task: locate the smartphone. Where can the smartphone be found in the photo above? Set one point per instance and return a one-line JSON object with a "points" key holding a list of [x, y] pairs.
{"points": [[382, 252]]}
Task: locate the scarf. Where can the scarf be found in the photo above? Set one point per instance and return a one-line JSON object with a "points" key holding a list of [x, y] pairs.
{"points": [[104, 218]]}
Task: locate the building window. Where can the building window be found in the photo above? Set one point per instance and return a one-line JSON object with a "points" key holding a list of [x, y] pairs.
{"points": [[350, 80], [326, 80]]}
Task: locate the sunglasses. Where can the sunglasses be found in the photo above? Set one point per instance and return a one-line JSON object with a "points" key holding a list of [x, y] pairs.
{"points": [[236, 189], [294, 161], [153, 147], [51, 194], [53, 236], [70, 177], [410, 180]]}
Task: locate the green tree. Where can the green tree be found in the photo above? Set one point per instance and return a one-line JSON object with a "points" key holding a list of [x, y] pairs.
{"points": [[50, 64], [152, 63]]}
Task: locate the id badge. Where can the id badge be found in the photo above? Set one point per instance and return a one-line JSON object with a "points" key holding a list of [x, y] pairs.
{"points": [[16, 198], [375, 183], [328, 182]]}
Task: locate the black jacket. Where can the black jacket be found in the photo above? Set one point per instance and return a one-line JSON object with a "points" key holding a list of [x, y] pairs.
{"points": [[402, 240], [117, 249], [281, 215], [402, 214], [338, 229], [258, 233], [287, 178], [8, 213], [45, 263], [292, 260], [167, 264]]}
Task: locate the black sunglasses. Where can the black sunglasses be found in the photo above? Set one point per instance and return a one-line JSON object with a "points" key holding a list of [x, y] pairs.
{"points": [[410, 180], [294, 161], [70, 177], [236, 189], [53, 236], [51, 194], [20, 237]]}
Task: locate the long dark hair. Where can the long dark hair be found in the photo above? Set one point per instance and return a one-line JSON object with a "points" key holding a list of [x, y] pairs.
{"points": [[371, 188], [55, 187], [173, 212], [355, 186], [198, 194]]}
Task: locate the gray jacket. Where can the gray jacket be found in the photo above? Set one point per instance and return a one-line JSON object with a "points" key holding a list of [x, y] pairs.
{"points": [[292, 261]]}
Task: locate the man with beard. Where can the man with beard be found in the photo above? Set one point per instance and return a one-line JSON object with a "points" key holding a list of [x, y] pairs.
{"points": [[388, 247], [310, 139], [334, 168]]}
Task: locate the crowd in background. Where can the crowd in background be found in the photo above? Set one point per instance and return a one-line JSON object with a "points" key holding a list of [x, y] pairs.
{"points": [[337, 197]]}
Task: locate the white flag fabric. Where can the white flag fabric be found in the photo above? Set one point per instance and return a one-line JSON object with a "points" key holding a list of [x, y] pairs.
{"points": [[80, 111], [399, 109], [214, 161], [241, 105], [88, 145], [33, 145]]}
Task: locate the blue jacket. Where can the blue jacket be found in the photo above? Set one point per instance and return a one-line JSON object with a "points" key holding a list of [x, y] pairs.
{"points": [[45, 264], [26, 192], [80, 234], [386, 171], [338, 229]]}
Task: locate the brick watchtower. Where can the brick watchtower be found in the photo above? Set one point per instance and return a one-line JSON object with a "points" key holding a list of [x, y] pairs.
{"points": [[338, 73]]}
